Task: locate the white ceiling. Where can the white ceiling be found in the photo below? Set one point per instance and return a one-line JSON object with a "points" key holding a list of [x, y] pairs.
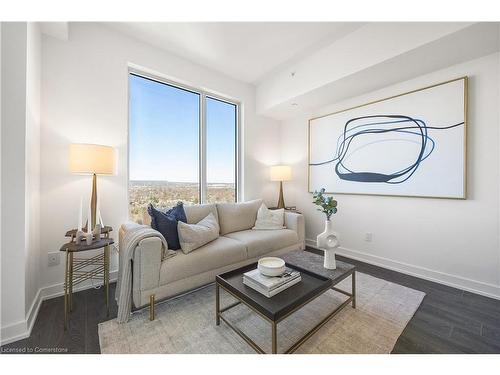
{"points": [[245, 51]]}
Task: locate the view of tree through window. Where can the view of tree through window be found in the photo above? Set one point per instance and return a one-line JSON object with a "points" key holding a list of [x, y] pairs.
{"points": [[164, 147]]}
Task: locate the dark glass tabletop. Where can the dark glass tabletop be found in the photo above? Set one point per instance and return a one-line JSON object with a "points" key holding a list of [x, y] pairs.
{"points": [[280, 305]]}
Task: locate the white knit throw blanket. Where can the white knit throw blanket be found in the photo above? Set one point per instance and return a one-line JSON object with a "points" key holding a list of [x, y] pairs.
{"points": [[133, 235]]}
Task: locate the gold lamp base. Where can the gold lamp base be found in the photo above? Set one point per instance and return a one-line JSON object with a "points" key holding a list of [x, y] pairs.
{"points": [[93, 203], [281, 201]]}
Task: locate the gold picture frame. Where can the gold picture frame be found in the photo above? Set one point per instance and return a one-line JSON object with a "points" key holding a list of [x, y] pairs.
{"points": [[465, 106]]}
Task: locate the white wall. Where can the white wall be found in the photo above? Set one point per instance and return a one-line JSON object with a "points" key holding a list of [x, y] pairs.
{"points": [[452, 241], [1, 198], [13, 177], [32, 170], [20, 177], [84, 99]]}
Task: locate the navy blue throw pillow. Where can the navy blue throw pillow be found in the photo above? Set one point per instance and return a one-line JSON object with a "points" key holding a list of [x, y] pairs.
{"points": [[166, 223]]}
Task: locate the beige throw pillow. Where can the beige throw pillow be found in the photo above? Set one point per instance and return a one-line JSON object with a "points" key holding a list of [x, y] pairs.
{"points": [[193, 236], [269, 219], [234, 217]]}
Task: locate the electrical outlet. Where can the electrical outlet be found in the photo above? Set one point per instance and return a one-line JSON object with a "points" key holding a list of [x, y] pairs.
{"points": [[368, 237], [54, 258]]}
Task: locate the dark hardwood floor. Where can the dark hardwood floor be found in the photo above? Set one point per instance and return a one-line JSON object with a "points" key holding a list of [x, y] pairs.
{"points": [[449, 320], [89, 309]]}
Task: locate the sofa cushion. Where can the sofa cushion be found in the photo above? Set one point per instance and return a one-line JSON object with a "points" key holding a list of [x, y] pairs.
{"points": [[235, 217], [194, 236], [219, 253], [197, 212], [260, 242]]}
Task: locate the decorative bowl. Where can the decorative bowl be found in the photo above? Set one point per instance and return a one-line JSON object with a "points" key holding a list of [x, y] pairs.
{"points": [[271, 266]]}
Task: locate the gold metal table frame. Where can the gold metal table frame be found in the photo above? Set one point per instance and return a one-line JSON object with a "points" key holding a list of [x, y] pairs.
{"points": [[79, 269], [274, 323]]}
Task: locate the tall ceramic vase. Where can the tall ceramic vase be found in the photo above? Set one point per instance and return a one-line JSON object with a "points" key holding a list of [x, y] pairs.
{"points": [[328, 242]]}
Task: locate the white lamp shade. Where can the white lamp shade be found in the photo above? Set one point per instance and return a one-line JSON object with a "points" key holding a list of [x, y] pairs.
{"points": [[90, 159], [281, 173]]}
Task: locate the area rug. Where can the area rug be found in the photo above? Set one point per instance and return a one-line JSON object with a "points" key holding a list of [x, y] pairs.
{"points": [[187, 324]]}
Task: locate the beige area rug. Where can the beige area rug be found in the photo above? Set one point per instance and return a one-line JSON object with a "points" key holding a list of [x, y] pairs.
{"points": [[187, 324]]}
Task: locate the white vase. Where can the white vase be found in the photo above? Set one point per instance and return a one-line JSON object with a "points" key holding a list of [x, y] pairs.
{"points": [[328, 242]]}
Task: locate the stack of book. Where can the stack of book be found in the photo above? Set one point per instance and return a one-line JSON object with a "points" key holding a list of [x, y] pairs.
{"points": [[270, 286]]}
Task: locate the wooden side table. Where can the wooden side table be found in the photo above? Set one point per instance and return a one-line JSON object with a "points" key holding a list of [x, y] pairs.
{"points": [[81, 269]]}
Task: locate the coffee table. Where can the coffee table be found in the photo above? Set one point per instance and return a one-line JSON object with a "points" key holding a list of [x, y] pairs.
{"points": [[316, 280]]}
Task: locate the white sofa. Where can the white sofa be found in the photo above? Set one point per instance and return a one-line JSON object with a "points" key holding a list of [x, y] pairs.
{"points": [[237, 245]]}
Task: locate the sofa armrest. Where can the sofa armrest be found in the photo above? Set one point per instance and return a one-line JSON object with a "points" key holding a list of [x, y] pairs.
{"points": [[146, 263], [295, 222]]}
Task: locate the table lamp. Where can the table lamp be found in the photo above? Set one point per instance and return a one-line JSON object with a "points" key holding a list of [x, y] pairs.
{"points": [[281, 173], [94, 160]]}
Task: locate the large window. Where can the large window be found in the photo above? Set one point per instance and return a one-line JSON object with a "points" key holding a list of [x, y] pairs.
{"points": [[182, 146]]}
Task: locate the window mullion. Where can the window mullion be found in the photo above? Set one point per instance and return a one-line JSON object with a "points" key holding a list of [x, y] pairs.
{"points": [[237, 170], [203, 149]]}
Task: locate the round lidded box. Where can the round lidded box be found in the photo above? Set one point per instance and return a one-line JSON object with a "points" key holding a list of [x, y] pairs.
{"points": [[271, 266]]}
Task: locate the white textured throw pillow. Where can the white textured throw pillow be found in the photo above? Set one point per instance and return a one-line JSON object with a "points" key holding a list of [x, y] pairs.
{"points": [[193, 236], [269, 219]]}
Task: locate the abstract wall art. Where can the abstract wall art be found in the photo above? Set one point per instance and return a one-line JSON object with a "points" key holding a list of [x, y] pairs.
{"points": [[411, 144]]}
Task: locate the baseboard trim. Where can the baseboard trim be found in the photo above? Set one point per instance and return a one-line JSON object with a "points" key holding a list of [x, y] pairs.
{"points": [[14, 332], [455, 281], [22, 329]]}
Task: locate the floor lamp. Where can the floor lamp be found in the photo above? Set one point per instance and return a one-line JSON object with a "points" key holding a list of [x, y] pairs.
{"points": [[94, 160]]}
